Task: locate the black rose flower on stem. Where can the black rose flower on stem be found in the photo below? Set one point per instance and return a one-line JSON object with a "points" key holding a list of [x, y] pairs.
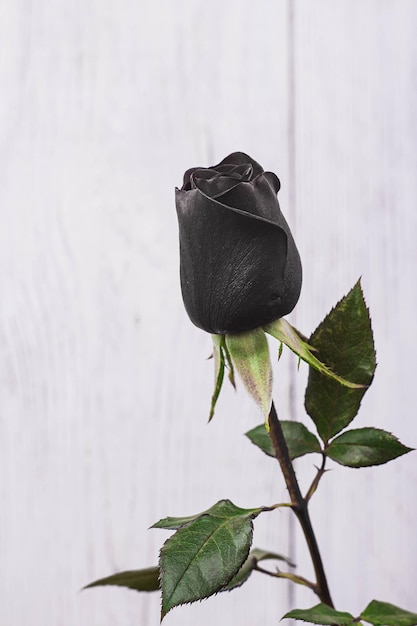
{"points": [[240, 268]]}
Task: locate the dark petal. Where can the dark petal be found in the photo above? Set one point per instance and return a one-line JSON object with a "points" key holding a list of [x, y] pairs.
{"points": [[186, 183], [240, 158], [243, 172], [201, 172], [236, 270], [256, 197], [259, 199], [214, 184], [273, 180], [227, 165]]}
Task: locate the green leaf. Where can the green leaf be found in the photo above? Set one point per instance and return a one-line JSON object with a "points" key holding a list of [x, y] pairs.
{"points": [[202, 557], [285, 333], [173, 523], [299, 439], [218, 342], [249, 565], [139, 580], [249, 353], [364, 447], [321, 614], [384, 614], [260, 437], [344, 341]]}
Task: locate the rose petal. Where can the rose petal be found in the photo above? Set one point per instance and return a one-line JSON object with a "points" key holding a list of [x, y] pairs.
{"points": [[240, 158], [186, 183], [242, 172], [233, 266], [233, 161], [273, 180], [259, 199], [256, 197], [214, 184]]}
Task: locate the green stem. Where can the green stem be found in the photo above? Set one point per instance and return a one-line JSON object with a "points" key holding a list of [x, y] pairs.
{"points": [[300, 580], [299, 504]]}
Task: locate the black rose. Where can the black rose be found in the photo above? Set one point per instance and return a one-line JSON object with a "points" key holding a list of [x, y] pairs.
{"points": [[240, 268]]}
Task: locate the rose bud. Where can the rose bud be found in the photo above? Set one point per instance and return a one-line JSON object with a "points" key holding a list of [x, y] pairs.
{"points": [[240, 268]]}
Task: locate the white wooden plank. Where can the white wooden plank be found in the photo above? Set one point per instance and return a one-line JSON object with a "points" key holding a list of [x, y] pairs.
{"points": [[356, 189], [107, 104]]}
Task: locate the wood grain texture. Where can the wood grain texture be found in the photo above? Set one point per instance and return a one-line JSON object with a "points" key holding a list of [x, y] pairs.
{"points": [[105, 384], [356, 162]]}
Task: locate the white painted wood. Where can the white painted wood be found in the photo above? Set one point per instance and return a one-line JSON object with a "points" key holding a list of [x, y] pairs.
{"points": [[105, 383], [356, 189]]}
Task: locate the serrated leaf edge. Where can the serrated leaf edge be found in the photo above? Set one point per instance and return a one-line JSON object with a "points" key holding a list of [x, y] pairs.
{"points": [[334, 440], [221, 587]]}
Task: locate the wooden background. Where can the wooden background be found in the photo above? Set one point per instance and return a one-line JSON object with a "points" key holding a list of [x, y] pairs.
{"points": [[105, 384]]}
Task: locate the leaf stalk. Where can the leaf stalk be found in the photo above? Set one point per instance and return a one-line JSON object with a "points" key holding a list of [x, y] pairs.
{"points": [[300, 580]]}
